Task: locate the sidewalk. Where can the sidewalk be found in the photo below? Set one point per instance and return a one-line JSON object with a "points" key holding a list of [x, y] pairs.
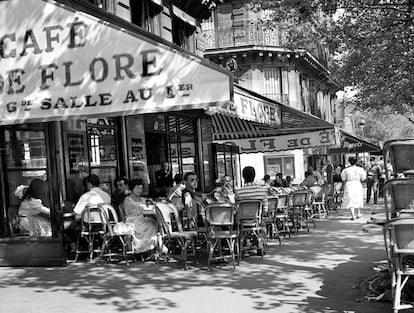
{"points": [[320, 271]]}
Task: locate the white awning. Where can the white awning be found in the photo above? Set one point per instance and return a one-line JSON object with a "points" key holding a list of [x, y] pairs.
{"points": [[284, 142], [58, 63]]}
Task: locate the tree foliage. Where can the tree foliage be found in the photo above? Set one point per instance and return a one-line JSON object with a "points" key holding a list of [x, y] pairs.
{"points": [[384, 126], [373, 42]]}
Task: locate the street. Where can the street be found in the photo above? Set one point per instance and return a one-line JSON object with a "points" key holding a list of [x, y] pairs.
{"points": [[321, 271]]}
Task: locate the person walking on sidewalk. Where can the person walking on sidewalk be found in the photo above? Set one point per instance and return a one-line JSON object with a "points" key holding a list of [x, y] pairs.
{"points": [[352, 177], [373, 175]]}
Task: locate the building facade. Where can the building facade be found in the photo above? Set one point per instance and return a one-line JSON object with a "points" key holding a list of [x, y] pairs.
{"points": [[113, 88], [261, 62]]}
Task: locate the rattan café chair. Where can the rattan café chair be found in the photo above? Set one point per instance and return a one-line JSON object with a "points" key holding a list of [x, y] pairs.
{"points": [[318, 204], [269, 219], [221, 229], [399, 198], [400, 251], [185, 239], [93, 227], [250, 214]]}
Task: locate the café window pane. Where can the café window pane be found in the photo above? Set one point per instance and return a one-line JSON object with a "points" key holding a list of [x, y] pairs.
{"points": [[25, 149], [280, 164], [28, 198]]}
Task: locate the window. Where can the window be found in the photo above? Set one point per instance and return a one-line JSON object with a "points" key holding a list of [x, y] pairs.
{"points": [[103, 150], [272, 83], [182, 34], [145, 14], [170, 139], [280, 164]]}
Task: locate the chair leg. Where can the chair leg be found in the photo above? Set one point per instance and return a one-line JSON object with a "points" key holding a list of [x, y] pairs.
{"points": [[90, 247], [212, 244], [236, 241], [194, 251], [184, 248], [396, 291], [230, 242]]}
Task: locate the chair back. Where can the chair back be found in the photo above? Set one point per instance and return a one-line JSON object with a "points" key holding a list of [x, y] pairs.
{"points": [[283, 201], [273, 203], [94, 218], [220, 214], [163, 213], [329, 190], [250, 210], [402, 235], [111, 212], [300, 197], [398, 196], [400, 152], [318, 192]]}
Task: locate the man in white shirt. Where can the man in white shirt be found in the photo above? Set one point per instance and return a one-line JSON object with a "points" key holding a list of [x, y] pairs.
{"points": [[93, 196]]}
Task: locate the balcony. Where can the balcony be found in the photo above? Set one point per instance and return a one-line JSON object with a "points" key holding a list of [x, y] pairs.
{"points": [[241, 36], [254, 35]]}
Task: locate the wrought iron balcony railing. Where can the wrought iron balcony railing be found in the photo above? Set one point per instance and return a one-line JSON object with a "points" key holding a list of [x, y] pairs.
{"points": [[241, 36], [253, 35]]}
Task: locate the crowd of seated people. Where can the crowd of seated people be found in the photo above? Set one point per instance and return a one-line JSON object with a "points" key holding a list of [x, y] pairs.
{"points": [[130, 204]]}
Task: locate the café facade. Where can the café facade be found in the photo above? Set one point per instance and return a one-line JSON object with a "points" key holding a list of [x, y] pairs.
{"points": [[286, 141], [82, 93]]}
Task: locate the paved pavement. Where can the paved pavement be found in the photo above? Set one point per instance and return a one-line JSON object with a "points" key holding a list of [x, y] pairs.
{"points": [[321, 271]]}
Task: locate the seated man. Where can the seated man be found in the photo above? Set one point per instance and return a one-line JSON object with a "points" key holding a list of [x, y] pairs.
{"points": [[250, 190], [188, 196], [176, 192], [309, 180], [93, 196], [121, 192], [279, 181]]}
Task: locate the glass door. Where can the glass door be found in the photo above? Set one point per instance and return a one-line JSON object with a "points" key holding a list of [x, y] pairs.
{"points": [[28, 196]]}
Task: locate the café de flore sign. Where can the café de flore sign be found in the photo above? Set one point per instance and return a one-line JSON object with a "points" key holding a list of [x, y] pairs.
{"points": [[251, 108], [285, 142], [56, 63]]}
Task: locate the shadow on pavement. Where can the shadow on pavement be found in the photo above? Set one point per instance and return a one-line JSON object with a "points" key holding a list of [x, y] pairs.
{"points": [[320, 271]]}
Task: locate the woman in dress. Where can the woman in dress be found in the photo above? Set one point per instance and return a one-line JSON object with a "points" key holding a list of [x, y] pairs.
{"points": [[36, 220], [352, 177], [146, 228]]}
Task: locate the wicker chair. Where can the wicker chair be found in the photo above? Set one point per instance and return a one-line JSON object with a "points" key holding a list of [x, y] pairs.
{"points": [[250, 216], [185, 239], [221, 228], [400, 251]]}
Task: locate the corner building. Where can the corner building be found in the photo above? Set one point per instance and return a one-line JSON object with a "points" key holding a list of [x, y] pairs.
{"points": [[112, 88]]}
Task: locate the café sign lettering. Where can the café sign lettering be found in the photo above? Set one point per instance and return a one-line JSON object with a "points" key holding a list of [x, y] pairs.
{"points": [[286, 142], [56, 63], [248, 107]]}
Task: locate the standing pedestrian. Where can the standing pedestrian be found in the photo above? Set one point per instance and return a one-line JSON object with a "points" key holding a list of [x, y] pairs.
{"points": [[373, 175], [329, 170], [352, 177]]}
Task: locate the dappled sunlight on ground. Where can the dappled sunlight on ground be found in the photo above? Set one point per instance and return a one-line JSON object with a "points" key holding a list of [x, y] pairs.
{"points": [[319, 271]]}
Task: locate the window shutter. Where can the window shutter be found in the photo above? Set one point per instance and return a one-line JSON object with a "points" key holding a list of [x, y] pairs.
{"points": [[123, 10]]}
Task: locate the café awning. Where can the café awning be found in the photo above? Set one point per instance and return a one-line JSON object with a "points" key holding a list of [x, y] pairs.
{"points": [[352, 144], [58, 62], [290, 129]]}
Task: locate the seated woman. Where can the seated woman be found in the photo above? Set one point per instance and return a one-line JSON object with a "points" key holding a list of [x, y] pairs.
{"points": [[145, 238], [35, 216]]}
